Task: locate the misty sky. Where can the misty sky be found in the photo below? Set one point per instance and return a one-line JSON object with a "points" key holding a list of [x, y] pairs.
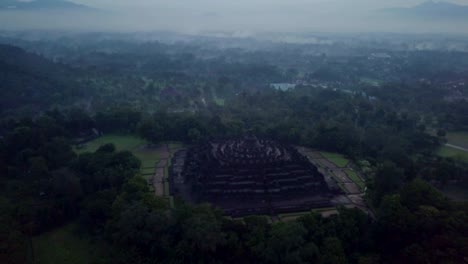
{"points": [[254, 4], [244, 16]]}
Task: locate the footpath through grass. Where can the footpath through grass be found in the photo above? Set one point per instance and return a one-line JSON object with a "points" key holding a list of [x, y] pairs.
{"points": [[64, 245], [136, 145], [149, 156], [447, 152], [458, 139], [338, 159]]}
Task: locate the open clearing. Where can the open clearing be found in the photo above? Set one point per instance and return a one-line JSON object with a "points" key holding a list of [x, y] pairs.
{"points": [[338, 159], [63, 245], [121, 142], [446, 151], [458, 139], [155, 160]]}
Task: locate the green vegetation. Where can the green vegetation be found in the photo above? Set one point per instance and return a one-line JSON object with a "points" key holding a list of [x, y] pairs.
{"points": [[446, 151], [338, 108], [121, 142], [458, 139], [371, 82], [148, 157], [65, 245], [295, 215], [355, 178], [338, 159], [138, 146], [219, 101]]}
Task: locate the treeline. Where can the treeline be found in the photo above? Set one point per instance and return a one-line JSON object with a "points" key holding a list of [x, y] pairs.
{"points": [[45, 184]]}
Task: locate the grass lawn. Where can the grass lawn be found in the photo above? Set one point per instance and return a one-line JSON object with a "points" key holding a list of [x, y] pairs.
{"points": [[458, 139], [355, 178], [445, 151], [148, 156], [175, 146], [121, 142], [370, 81], [338, 159], [219, 101], [63, 245]]}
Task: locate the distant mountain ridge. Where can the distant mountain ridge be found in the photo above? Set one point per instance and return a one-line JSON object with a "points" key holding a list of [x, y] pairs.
{"points": [[40, 5], [431, 9]]}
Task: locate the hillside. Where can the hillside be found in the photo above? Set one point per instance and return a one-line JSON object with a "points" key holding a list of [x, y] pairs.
{"points": [[31, 82], [40, 5]]}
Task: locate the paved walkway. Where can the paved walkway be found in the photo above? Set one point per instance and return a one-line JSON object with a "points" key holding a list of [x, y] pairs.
{"points": [[354, 194], [159, 177], [158, 182], [456, 147]]}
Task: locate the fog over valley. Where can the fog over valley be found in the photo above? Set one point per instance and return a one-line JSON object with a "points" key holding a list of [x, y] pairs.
{"points": [[227, 132]]}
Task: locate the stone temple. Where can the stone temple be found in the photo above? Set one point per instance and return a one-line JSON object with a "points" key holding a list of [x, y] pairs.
{"points": [[248, 176]]}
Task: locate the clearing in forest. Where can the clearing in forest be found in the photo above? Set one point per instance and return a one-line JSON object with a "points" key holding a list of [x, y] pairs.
{"points": [[446, 151], [338, 159], [458, 139], [155, 159], [121, 142], [457, 143]]}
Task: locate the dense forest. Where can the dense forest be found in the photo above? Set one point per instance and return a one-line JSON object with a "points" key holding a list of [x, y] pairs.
{"points": [[389, 116]]}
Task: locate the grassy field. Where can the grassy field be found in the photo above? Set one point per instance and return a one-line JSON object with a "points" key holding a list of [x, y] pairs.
{"points": [[219, 101], [355, 178], [63, 245], [370, 81], [452, 152], [458, 139], [121, 142], [148, 157], [338, 159]]}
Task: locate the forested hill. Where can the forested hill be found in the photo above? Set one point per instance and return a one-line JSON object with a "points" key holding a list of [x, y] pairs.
{"points": [[30, 83]]}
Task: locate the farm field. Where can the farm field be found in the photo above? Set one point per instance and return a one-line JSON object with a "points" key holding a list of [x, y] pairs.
{"points": [[338, 159], [63, 245]]}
